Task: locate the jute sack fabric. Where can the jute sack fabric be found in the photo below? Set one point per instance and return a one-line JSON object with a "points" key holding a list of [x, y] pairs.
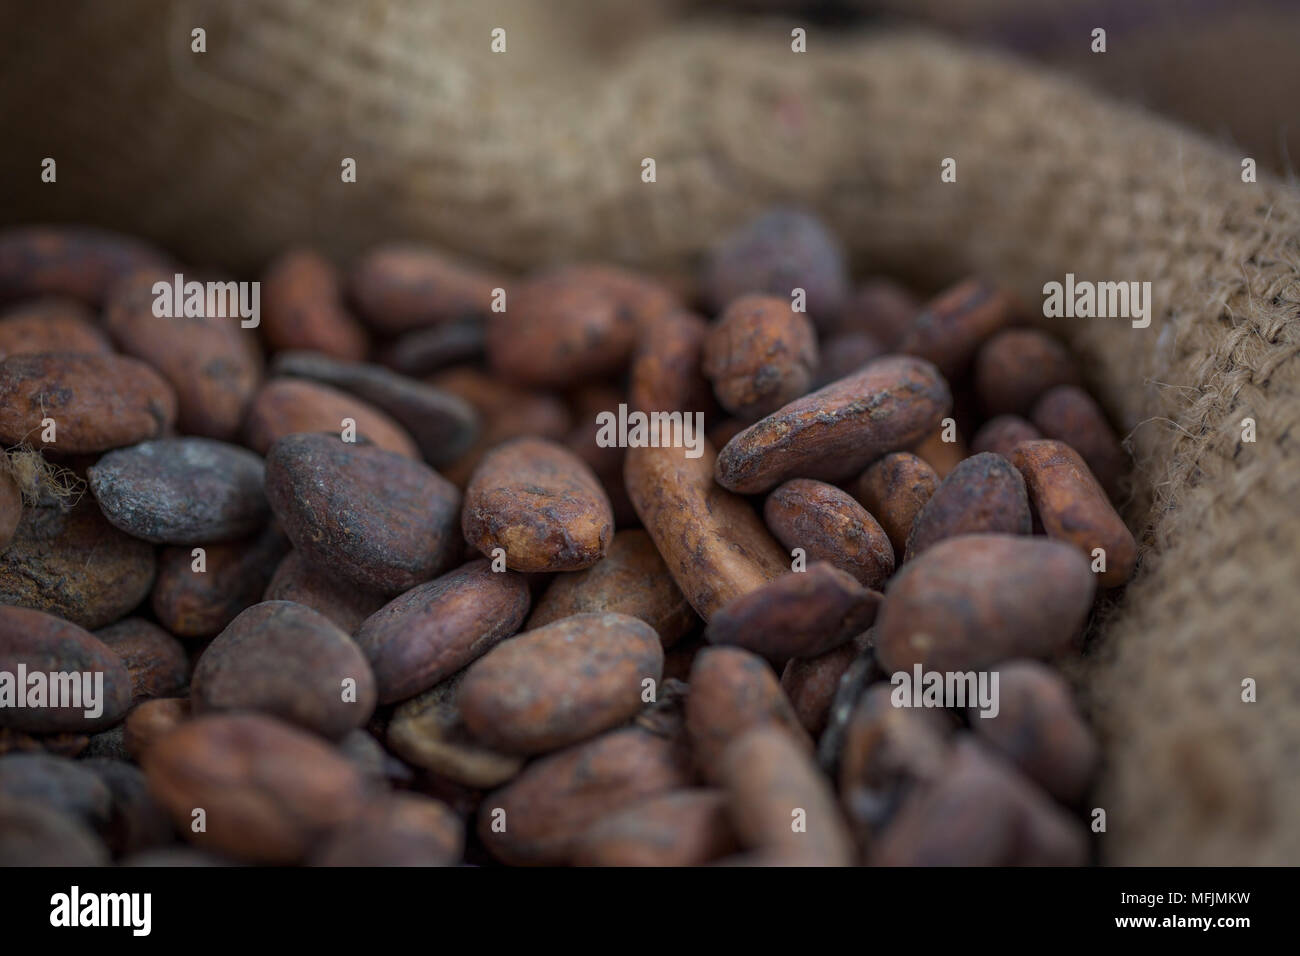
{"points": [[535, 155]]}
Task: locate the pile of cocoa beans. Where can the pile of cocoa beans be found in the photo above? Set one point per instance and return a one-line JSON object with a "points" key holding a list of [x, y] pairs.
{"points": [[366, 577]]}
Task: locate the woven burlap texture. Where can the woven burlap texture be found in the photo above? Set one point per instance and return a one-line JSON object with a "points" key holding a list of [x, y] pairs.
{"points": [[535, 155]]}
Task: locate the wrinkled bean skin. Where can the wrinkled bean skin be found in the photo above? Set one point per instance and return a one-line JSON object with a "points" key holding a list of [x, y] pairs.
{"points": [[760, 355], [894, 490], [75, 565], [830, 526], [835, 432], [541, 505], [714, 545], [97, 402]]}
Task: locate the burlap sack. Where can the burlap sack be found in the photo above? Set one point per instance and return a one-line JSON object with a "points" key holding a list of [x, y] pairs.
{"points": [[536, 155]]}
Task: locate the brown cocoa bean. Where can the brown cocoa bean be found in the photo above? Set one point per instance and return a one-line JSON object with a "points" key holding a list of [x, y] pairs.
{"points": [[76, 261], [882, 309], [731, 691], [427, 350], [1038, 729], [712, 542], [368, 516], [537, 818], [666, 374], [1074, 508], [835, 432], [270, 792], [894, 490], [303, 308], [1016, 366], [810, 684], [156, 661], [442, 425], [829, 525], [953, 326], [759, 355], [677, 828], [983, 495], [347, 606], [973, 601], [1002, 433], [562, 327], [429, 731], [980, 813], [181, 491], [631, 579], [843, 354], [403, 286], [403, 829], [199, 602], [561, 683], [33, 835], [775, 253], [42, 644], [541, 505], [1070, 415], [425, 635], [212, 363], [50, 325], [800, 614], [888, 751], [290, 406], [780, 802], [57, 782], [97, 402], [286, 660]]}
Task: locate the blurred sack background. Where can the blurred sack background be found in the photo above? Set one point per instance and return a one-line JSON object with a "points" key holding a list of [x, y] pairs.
{"points": [[1117, 166]]}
